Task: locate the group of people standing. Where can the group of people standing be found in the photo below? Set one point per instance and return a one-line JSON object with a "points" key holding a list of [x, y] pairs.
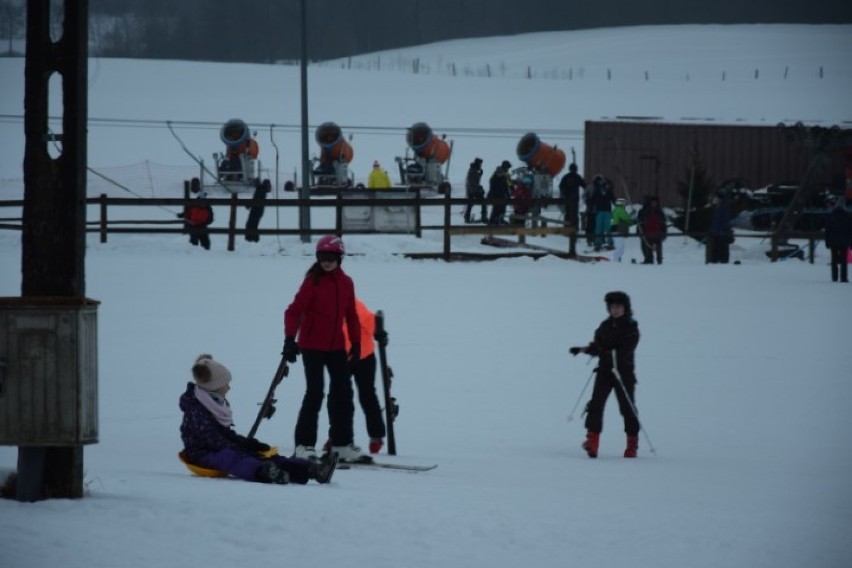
{"points": [[499, 187], [334, 332], [607, 222]]}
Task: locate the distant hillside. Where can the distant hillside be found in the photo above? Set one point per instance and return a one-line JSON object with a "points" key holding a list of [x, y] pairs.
{"points": [[219, 30]]}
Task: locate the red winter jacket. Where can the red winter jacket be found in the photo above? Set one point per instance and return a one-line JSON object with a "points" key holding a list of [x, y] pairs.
{"points": [[319, 310]]}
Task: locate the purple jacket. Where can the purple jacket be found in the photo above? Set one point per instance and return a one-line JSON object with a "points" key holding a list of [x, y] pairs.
{"points": [[201, 432]]}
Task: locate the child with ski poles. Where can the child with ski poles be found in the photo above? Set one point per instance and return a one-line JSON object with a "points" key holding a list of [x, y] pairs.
{"points": [[210, 441], [614, 344], [324, 301]]}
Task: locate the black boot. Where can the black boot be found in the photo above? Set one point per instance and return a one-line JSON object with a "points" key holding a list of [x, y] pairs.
{"points": [[323, 470], [269, 472]]}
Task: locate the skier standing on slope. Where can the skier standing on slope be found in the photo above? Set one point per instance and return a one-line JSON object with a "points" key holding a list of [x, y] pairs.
{"points": [[324, 301], [614, 344]]}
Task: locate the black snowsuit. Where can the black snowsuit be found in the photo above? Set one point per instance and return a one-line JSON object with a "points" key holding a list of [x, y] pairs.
{"points": [[475, 193], [719, 236], [838, 238], [498, 188], [618, 336], [256, 212], [569, 190]]}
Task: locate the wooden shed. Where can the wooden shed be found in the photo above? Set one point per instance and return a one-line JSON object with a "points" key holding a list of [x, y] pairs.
{"points": [[647, 157]]}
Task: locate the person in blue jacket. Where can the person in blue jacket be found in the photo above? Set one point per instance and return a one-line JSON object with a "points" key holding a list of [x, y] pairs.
{"points": [[720, 236]]}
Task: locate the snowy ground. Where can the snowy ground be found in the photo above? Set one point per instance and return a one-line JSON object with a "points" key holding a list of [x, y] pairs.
{"points": [[742, 369]]}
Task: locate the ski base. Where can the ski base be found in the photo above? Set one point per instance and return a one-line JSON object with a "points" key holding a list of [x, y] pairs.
{"points": [[385, 465]]}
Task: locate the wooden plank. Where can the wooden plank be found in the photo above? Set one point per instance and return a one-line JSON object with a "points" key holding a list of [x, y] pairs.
{"points": [[507, 230]]}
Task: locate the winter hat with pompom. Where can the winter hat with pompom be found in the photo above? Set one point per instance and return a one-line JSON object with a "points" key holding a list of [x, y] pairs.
{"points": [[209, 374]]}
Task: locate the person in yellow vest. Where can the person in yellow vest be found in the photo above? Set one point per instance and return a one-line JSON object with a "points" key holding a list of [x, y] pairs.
{"points": [[379, 178], [364, 372]]}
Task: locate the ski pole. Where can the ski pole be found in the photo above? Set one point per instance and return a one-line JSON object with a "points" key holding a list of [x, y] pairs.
{"points": [[582, 392], [630, 402], [267, 407]]}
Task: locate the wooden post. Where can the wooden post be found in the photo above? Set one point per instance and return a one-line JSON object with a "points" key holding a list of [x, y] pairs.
{"points": [[418, 220], [232, 222], [447, 218], [103, 218], [338, 214]]}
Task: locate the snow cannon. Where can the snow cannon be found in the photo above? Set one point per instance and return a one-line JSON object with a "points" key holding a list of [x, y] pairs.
{"points": [[540, 156], [237, 169], [335, 148], [234, 133], [426, 145]]}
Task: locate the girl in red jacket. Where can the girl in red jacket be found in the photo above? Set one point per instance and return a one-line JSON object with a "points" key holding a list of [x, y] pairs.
{"points": [[324, 301]]}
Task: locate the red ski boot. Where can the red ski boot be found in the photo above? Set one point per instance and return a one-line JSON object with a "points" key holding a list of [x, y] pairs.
{"points": [[632, 446], [591, 444], [376, 445]]}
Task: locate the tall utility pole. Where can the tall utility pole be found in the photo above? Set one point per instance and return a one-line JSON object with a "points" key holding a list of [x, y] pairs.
{"points": [[53, 241], [305, 192]]}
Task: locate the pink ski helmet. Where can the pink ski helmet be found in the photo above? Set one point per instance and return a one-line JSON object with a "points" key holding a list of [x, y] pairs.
{"points": [[331, 243]]}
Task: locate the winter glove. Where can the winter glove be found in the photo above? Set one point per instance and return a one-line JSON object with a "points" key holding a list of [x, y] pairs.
{"points": [[291, 349], [354, 355], [576, 350], [256, 447], [381, 338]]}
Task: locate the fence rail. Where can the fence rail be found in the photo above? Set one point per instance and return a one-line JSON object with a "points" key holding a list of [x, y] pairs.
{"points": [[529, 225]]}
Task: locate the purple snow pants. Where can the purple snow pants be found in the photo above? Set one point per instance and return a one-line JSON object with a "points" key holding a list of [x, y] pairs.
{"points": [[244, 466]]}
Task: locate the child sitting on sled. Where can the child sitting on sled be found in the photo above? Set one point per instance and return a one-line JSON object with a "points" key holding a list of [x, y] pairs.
{"points": [[210, 441]]}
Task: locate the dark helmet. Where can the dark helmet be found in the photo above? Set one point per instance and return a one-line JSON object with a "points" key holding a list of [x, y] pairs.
{"points": [[572, 168], [506, 165], [618, 297]]}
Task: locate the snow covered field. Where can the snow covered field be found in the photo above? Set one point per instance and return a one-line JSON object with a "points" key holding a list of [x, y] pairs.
{"points": [[743, 369]]}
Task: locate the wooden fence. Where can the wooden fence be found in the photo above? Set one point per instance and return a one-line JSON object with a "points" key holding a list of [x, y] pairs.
{"points": [[530, 225]]}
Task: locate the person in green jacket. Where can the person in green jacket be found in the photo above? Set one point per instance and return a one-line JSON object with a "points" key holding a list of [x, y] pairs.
{"points": [[621, 222]]}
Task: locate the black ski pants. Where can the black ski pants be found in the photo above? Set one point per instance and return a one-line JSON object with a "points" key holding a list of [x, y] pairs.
{"points": [[605, 382], [341, 407], [199, 236], [720, 249], [473, 200], [651, 246], [365, 381], [838, 264]]}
